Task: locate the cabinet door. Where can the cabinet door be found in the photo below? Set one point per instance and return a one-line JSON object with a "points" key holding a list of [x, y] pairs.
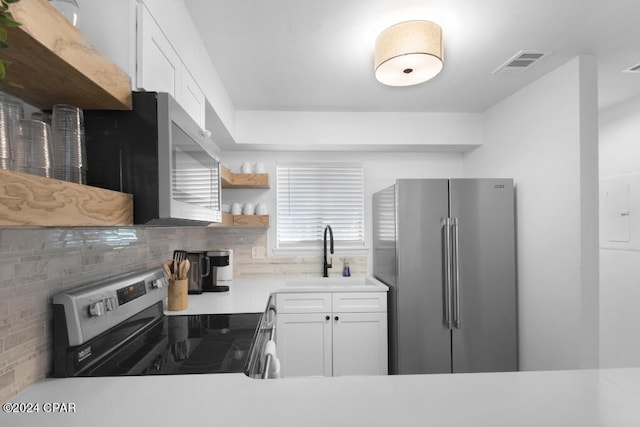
{"points": [[359, 344], [192, 98], [159, 67], [303, 344], [110, 26], [359, 302], [307, 302]]}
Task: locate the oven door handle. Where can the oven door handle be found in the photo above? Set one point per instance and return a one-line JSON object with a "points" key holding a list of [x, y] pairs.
{"points": [[271, 368], [267, 363]]}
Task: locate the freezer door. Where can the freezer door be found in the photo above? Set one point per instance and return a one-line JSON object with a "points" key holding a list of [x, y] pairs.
{"points": [[486, 338], [423, 341]]}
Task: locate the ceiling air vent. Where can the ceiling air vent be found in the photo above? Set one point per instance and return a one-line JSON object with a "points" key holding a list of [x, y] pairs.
{"points": [[520, 62], [634, 69]]}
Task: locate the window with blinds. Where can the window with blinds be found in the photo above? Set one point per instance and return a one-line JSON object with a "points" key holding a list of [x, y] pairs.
{"points": [[311, 196]]}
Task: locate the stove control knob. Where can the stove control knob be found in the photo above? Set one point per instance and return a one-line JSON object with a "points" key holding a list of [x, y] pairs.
{"points": [[97, 309], [159, 283], [111, 304]]}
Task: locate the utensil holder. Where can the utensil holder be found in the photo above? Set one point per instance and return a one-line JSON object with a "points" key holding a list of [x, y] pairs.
{"points": [[177, 295]]}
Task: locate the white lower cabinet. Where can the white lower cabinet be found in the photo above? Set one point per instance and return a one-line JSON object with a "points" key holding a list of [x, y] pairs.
{"points": [[359, 344], [304, 344], [315, 339]]}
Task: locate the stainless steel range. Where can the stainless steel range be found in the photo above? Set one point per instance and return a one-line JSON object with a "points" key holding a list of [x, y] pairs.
{"points": [[117, 327]]}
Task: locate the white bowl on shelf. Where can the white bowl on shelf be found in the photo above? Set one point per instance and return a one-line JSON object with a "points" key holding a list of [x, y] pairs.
{"points": [[246, 167], [261, 209], [236, 209], [248, 209]]}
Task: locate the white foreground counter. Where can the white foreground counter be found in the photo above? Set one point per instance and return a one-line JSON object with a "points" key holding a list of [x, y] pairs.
{"points": [[587, 398]]}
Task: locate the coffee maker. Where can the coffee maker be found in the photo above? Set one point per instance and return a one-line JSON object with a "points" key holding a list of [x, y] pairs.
{"points": [[217, 258]]}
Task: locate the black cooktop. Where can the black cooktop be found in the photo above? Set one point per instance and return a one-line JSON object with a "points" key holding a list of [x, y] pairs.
{"points": [[183, 344]]}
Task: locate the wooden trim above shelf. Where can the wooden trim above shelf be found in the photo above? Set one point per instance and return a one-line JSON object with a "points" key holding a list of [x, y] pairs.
{"points": [[55, 64], [243, 180], [33, 200]]}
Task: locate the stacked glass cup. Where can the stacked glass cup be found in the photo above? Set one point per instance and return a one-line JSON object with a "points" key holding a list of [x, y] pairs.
{"points": [[10, 111], [70, 157], [31, 147]]}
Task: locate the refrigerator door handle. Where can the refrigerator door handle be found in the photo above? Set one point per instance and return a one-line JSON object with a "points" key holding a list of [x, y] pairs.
{"points": [[457, 323], [448, 286]]}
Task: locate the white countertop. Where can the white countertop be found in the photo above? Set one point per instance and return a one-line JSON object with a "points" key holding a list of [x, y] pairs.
{"points": [[251, 295], [586, 398]]}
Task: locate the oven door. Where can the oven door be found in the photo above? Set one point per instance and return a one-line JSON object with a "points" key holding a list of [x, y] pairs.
{"points": [[144, 355], [263, 362], [185, 344]]}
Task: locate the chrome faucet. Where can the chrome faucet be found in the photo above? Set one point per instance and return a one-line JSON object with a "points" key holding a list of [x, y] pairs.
{"points": [[327, 265]]}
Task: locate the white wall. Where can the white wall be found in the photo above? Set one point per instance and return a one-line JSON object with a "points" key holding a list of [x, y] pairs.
{"points": [[545, 137], [380, 170], [620, 139], [620, 267], [394, 131]]}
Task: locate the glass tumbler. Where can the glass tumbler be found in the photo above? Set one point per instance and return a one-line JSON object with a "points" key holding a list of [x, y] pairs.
{"points": [[10, 110], [67, 130], [69, 9], [31, 147]]}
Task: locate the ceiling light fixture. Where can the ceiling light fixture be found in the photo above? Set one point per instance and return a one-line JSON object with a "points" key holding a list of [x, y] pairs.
{"points": [[408, 53]]}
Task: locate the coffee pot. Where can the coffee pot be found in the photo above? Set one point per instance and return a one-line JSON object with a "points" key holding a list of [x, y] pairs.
{"points": [[218, 258], [199, 270]]}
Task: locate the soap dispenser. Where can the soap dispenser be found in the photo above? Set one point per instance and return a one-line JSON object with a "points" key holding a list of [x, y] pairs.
{"points": [[346, 272]]}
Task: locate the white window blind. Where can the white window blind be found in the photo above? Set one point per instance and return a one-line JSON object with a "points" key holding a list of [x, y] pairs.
{"points": [[311, 196]]}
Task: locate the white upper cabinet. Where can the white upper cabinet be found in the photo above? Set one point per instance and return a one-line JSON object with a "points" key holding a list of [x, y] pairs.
{"points": [[192, 98], [158, 65], [128, 32], [111, 27], [160, 68]]}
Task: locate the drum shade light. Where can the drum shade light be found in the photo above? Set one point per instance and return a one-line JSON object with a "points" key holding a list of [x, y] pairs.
{"points": [[408, 53]]}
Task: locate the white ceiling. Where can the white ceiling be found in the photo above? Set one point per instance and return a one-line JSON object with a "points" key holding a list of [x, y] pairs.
{"points": [[303, 55]]}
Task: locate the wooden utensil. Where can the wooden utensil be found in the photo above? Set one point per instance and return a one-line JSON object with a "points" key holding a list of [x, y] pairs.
{"points": [[184, 269], [167, 268]]}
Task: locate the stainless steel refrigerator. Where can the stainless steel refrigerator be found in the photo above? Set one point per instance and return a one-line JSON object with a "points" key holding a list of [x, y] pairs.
{"points": [[446, 249]]}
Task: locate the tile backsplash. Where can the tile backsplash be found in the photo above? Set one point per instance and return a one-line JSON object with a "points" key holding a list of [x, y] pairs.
{"points": [[37, 263]]}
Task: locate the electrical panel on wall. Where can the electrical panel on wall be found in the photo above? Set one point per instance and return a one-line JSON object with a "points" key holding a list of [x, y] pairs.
{"points": [[620, 212]]}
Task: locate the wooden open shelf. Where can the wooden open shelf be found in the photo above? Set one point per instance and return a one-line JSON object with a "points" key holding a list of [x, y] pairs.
{"points": [[38, 201], [55, 64], [232, 180], [243, 180], [229, 220]]}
